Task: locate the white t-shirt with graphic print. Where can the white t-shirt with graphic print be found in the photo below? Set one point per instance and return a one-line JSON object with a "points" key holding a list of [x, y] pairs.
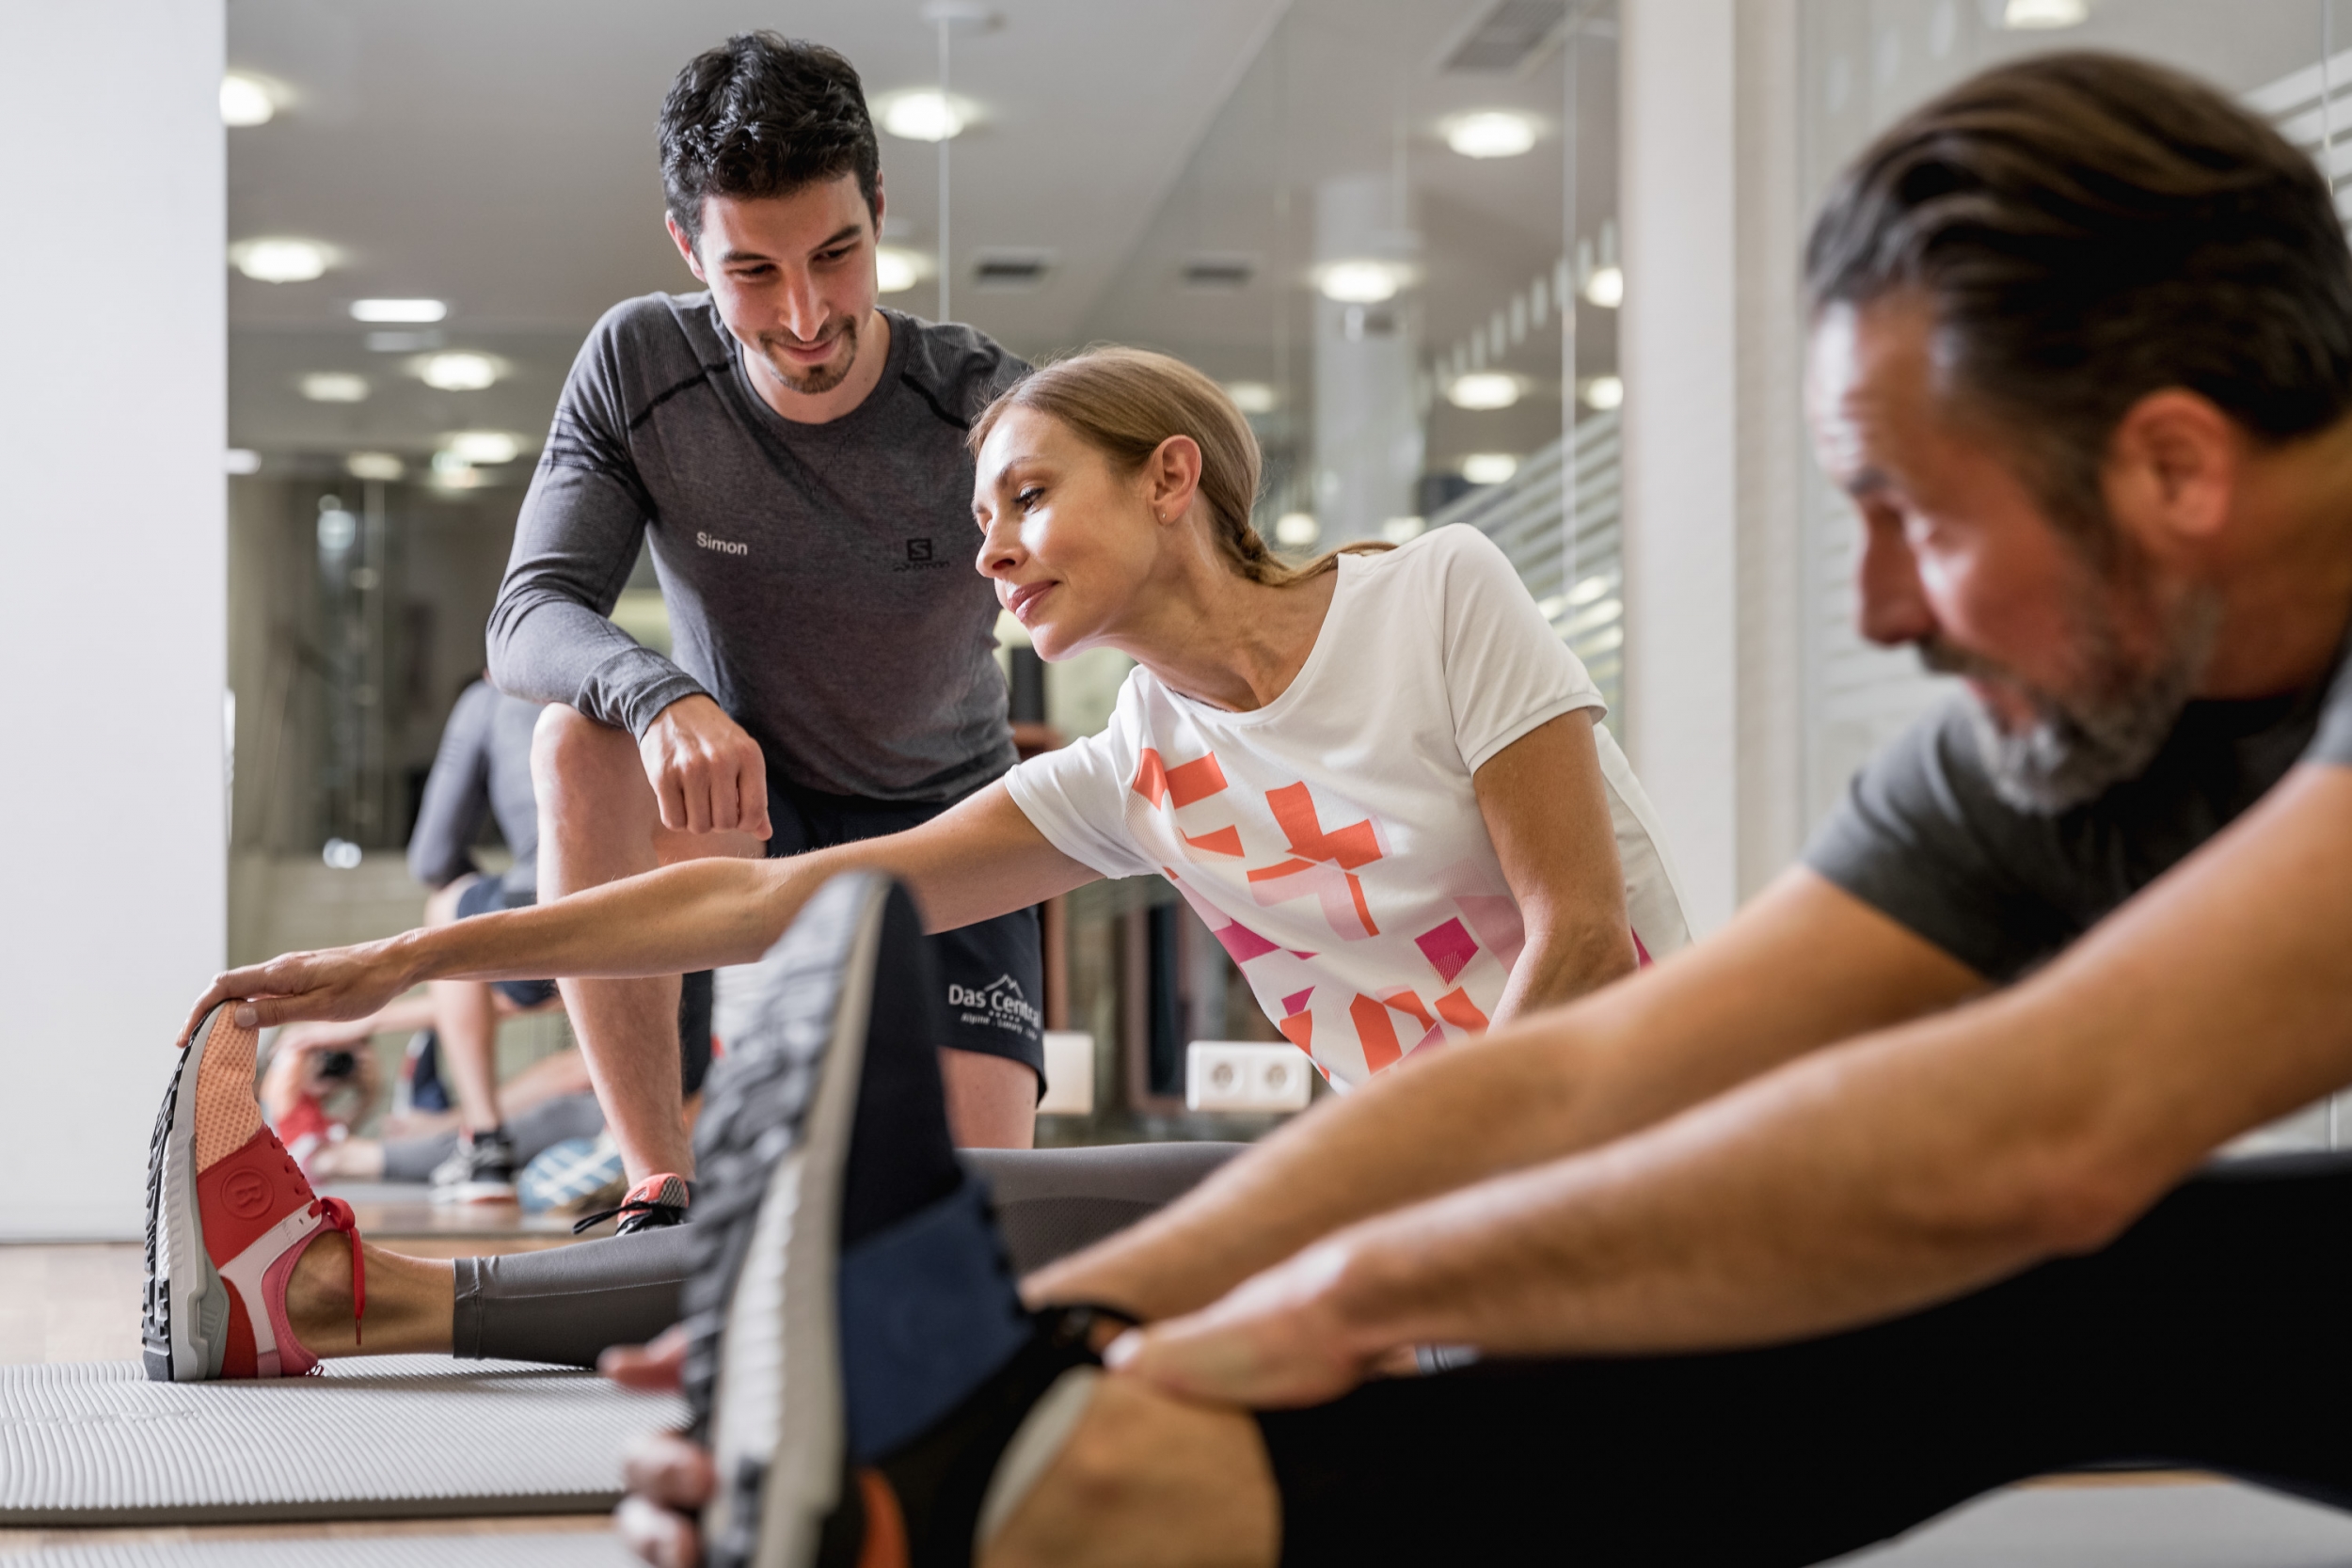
{"points": [[1332, 839]]}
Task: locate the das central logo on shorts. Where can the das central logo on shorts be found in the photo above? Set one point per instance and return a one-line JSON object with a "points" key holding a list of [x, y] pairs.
{"points": [[999, 1003]]}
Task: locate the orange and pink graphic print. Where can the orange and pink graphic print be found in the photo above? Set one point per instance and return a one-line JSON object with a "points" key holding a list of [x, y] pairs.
{"points": [[1314, 858]]}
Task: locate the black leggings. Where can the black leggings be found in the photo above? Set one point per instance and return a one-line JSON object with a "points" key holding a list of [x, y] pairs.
{"points": [[2215, 1333]]}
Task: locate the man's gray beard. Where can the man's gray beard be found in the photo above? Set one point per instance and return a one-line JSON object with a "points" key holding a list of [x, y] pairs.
{"points": [[825, 377], [2077, 749]]}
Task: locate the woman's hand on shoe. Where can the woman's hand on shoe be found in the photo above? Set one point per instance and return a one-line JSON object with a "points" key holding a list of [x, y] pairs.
{"points": [[339, 983], [1276, 1341]]}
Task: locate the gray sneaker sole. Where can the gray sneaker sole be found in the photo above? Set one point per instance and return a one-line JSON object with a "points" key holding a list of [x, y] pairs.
{"points": [[185, 1312], [763, 1379]]}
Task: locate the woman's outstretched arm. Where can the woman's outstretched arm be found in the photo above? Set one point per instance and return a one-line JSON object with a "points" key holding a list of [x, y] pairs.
{"points": [[979, 859]]}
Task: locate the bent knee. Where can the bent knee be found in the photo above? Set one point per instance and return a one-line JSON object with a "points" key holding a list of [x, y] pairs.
{"points": [[569, 750]]}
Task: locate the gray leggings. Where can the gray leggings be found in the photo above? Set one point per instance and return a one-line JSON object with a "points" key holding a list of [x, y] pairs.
{"points": [[566, 1305]]}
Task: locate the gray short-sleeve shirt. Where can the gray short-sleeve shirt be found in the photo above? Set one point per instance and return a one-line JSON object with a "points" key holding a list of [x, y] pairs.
{"points": [[1922, 836]]}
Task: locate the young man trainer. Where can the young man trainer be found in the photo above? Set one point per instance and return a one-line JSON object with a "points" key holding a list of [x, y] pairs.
{"points": [[795, 456]]}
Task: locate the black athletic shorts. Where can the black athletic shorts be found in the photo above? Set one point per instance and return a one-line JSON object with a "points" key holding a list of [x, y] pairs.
{"points": [[992, 974]]}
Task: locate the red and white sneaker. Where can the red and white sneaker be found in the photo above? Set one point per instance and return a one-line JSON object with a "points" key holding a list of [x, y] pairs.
{"points": [[229, 1214]]}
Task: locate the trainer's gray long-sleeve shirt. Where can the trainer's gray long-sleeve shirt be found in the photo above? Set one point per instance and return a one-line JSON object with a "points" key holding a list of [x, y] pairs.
{"points": [[483, 765], [819, 578]]}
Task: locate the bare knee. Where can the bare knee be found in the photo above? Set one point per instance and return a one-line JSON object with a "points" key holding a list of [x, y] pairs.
{"points": [[1146, 1480], [572, 755]]}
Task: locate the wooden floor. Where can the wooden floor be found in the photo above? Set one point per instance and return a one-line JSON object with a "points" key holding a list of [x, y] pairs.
{"points": [[81, 1303]]}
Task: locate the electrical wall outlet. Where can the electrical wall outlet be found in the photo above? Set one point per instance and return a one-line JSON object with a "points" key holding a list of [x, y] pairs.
{"points": [[1069, 1074], [1247, 1075]]}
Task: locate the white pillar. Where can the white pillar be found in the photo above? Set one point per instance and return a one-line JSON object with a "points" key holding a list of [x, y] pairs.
{"points": [[1709, 353], [1368, 434], [112, 501]]}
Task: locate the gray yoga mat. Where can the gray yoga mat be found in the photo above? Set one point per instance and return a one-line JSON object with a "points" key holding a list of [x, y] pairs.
{"points": [[384, 1437], [564, 1549]]}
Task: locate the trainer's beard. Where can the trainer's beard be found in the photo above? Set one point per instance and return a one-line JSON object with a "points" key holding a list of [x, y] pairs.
{"points": [[2077, 747], [825, 377]]}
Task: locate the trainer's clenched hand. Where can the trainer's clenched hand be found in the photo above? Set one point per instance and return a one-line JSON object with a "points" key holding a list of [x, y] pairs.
{"points": [[339, 983], [708, 773]]}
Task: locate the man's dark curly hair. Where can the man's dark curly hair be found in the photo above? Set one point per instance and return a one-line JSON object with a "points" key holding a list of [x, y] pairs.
{"points": [[763, 115], [2088, 230]]}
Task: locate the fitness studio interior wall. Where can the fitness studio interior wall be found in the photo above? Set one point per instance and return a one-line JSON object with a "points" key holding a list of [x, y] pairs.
{"points": [[110, 499]]}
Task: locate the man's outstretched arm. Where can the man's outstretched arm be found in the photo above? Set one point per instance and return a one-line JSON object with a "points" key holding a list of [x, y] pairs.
{"points": [[1802, 965], [1899, 1169]]}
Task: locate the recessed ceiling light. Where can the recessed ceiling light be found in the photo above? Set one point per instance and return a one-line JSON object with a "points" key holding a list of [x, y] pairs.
{"points": [[1489, 133], [1360, 282], [1251, 397], [1489, 467], [1606, 288], [459, 372], [1297, 529], [896, 270], [241, 460], [1012, 270], [924, 115], [375, 464], [2044, 15], [398, 310], [335, 386], [483, 445], [246, 100], [1604, 392], [1222, 272], [281, 260], [1398, 530], [1480, 390]]}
